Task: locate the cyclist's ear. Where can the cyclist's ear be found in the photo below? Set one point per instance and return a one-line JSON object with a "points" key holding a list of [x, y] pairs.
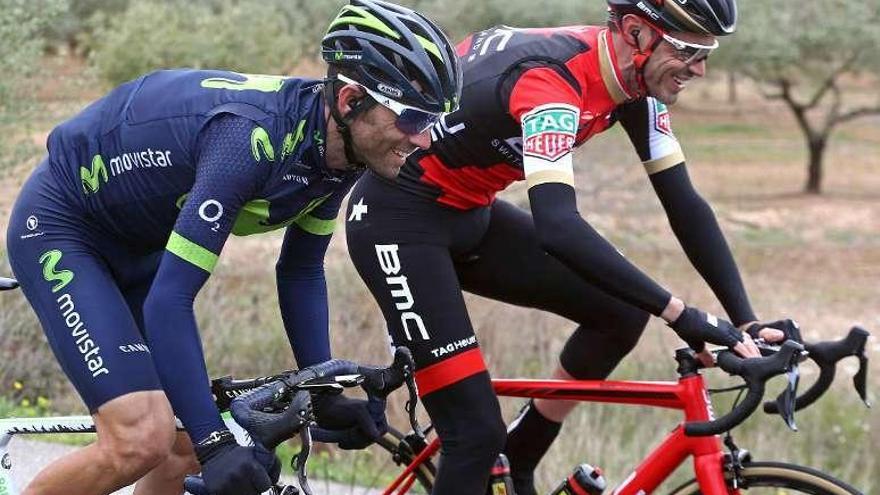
{"points": [[635, 32]]}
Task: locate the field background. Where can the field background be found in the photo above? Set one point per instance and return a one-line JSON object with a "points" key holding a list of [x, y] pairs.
{"points": [[814, 258]]}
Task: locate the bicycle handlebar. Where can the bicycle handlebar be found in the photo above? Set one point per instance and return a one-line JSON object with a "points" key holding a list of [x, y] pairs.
{"points": [[755, 372], [826, 355]]}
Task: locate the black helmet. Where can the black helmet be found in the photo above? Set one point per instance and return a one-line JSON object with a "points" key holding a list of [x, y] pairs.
{"points": [[386, 47], [717, 17]]}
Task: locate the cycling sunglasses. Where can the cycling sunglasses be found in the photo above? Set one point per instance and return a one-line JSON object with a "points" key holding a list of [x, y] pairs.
{"points": [[410, 120], [687, 52]]}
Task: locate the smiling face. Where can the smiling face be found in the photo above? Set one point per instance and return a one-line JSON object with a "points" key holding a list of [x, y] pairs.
{"points": [[380, 144], [666, 75]]}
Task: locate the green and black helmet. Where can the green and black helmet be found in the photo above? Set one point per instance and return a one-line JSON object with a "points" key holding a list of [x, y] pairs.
{"points": [[396, 52], [715, 17]]}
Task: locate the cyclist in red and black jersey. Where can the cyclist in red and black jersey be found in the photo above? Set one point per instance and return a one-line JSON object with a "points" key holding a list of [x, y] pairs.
{"points": [[530, 96]]}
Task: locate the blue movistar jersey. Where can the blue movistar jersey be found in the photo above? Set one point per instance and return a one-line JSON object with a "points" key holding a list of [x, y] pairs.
{"points": [[178, 160], [130, 159]]}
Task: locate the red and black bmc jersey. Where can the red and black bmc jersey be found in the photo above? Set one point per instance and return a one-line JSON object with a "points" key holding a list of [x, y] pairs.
{"points": [[530, 96]]}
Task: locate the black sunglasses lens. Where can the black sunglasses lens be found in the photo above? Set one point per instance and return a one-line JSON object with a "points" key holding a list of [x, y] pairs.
{"points": [[413, 121]]}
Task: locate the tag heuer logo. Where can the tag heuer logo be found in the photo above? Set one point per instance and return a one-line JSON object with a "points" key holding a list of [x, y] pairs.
{"points": [[549, 131], [661, 118]]}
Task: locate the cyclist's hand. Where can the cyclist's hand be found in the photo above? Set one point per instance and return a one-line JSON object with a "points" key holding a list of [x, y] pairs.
{"points": [[706, 358], [775, 331], [231, 469], [696, 328], [363, 420]]}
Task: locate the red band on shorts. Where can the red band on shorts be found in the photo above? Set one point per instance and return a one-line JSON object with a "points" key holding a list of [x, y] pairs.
{"points": [[449, 371]]}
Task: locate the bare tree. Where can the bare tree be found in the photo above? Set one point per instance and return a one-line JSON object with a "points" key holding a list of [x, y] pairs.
{"points": [[804, 54]]}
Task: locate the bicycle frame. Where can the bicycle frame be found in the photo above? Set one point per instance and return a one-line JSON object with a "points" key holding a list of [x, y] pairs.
{"points": [[689, 395]]}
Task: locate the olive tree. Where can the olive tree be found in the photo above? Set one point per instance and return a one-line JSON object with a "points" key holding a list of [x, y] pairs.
{"points": [[21, 24], [807, 55]]}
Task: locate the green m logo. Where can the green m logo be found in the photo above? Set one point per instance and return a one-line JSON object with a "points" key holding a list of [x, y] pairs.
{"points": [[292, 140], [50, 260], [91, 178], [255, 82], [261, 145]]}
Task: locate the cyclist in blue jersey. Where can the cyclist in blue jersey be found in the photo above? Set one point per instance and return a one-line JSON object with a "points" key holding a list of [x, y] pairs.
{"points": [[116, 231]]}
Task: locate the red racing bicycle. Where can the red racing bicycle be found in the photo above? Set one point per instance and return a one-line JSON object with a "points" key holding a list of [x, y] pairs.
{"points": [[720, 468]]}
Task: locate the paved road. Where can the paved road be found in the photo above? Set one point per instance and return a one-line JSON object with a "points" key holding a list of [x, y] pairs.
{"points": [[30, 456]]}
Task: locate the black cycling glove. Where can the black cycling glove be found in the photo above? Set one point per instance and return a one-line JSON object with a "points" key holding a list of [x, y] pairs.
{"points": [[231, 469], [696, 328], [364, 421], [789, 328]]}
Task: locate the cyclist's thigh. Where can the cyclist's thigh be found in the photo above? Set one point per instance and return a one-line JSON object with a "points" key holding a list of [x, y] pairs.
{"points": [[509, 265], [84, 315], [134, 277], [401, 249]]}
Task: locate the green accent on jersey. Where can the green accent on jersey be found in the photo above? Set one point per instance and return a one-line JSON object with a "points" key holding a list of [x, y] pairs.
{"points": [[315, 225], [317, 137], [261, 145], [91, 178], [430, 47], [254, 82], [254, 218], [362, 18], [191, 252], [50, 260], [180, 201], [291, 140]]}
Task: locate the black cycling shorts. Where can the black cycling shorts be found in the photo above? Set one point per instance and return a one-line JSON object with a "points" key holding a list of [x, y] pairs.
{"points": [[416, 256]]}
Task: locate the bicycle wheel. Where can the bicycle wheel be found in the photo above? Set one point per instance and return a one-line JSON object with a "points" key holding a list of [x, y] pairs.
{"points": [[403, 449], [777, 478]]}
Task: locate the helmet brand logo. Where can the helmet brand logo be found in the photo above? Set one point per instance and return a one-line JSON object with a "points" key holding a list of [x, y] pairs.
{"points": [[389, 90], [342, 56], [653, 15]]}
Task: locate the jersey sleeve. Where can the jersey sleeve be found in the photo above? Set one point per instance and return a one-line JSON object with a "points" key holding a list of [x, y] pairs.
{"points": [[648, 125], [302, 286], [232, 167], [546, 105]]}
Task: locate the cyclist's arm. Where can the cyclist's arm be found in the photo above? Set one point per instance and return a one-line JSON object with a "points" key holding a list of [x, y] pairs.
{"points": [[543, 96], [227, 176], [302, 287], [690, 216]]}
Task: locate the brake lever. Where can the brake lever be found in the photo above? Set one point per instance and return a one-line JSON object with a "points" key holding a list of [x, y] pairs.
{"points": [[786, 400], [298, 463], [860, 380], [411, 387]]}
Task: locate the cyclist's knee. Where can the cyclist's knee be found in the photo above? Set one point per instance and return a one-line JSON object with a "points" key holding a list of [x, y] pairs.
{"points": [[182, 459], [135, 433], [468, 420], [593, 350]]}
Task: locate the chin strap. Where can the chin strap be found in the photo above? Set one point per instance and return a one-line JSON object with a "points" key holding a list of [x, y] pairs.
{"points": [[640, 60], [343, 122]]}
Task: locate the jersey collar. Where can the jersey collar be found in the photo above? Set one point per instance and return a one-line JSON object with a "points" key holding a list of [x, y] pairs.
{"points": [[611, 74]]}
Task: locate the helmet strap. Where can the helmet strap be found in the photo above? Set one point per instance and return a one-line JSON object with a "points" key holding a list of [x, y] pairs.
{"points": [[343, 122], [640, 58]]}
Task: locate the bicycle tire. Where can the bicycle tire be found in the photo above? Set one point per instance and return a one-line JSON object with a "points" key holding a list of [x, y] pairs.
{"points": [[403, 452], [797, 479]]}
